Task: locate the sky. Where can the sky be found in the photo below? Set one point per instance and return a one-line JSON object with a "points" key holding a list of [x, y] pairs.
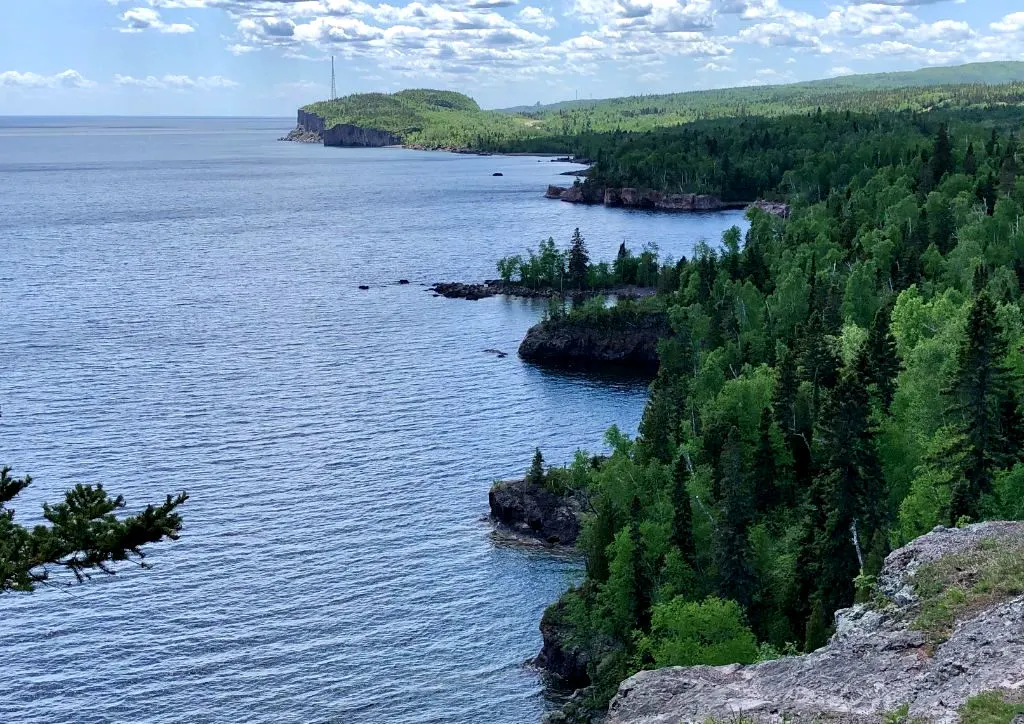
{"points": [[267, 57]]}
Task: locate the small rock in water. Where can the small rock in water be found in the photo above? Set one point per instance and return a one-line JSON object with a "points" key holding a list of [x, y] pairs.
{"points": [[363, 287], [403, 281], [497, 173]]}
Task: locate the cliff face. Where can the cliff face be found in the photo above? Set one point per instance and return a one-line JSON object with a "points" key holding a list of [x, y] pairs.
{"points": [[310, 122], [631, 347], [948, 624], [312, 127], [348, 135]]}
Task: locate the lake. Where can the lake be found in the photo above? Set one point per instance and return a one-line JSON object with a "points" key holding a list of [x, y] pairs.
{"points": [[180, 311]]}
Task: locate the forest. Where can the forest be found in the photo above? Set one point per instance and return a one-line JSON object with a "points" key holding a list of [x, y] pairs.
{"points": [[835, 385], [449, 120]]}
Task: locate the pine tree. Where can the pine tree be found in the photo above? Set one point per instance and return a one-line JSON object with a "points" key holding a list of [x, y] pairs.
{"points": [[980, 383], [970, 161], [941, 229], [535, 475], [942, 154], [83, 535], [882, 365], [1011, 427], [659, 421], [732, 547], [682, 511], [764, 472], [579, 261]]}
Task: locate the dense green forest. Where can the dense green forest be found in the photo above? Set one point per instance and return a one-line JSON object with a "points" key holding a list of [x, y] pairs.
{"points": [[835, 385], [444, 119]]}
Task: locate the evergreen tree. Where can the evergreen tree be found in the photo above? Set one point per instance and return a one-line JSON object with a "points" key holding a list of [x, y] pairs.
{"points": [[980, 383], [535, 475], [942, 154], [682, 511], [659, 421], [579, 261], [82, 534], [732, 547], [882, 365], [970, 161], [1011, 426], [942, 229], [764, 472]]}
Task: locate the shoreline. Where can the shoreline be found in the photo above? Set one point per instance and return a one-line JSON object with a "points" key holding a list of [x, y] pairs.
{"points": [[474, 291]]}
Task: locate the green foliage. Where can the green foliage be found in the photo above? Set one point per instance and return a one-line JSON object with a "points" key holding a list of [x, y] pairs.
{"points": [[535, 475], [688, 633], [991, 707], [968, 581], [83, 534], [830, 386]]}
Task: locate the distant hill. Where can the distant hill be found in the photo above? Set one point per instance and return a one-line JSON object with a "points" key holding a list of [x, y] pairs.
{"points": [[973, 73], [422, 116], [445, 119]]}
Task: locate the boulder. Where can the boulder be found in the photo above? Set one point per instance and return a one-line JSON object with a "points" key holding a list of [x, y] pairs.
{"points": [[555, 192], [879, 660]]}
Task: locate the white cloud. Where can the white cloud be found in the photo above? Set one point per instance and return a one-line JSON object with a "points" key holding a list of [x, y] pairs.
{"points": [[535, 16], [841, 70], [138, 20], [1012, 23], [177, 82], [65, 79]]}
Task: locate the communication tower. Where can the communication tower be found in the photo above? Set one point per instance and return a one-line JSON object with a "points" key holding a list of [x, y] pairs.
{"points": [[334, 85]]}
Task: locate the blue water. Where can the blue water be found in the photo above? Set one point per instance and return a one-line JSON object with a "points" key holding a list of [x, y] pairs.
{"points": [[179, 306]]}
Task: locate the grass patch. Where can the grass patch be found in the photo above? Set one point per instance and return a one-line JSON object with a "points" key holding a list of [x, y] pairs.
{"points": [[990, 707], [956, 586]]}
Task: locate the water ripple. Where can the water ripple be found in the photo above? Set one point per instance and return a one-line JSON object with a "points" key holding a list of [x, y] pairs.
{"points": [[180, 312]]}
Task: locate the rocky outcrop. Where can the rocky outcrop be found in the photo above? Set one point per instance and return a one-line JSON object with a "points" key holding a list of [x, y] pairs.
{"points": [[640, 198], [880, 658], [494, 287], [311, 128], [775, 208], [629, 346], [633, 198], [564, 661], [533, 510]]}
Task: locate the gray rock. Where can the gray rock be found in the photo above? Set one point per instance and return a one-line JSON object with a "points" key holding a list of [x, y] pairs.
{"points": [[874, 664]]}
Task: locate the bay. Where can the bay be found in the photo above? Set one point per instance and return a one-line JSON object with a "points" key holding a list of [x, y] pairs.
{"points": [[180, 310]]}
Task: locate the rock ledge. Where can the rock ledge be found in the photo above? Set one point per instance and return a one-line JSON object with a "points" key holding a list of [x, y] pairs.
{"points": [[874, 664]]}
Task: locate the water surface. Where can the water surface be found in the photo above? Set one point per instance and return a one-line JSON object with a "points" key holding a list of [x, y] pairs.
{"points": [[179, 306]]}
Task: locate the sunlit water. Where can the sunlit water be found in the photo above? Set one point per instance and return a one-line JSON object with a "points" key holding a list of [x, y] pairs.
{"points": [[179, 308]]}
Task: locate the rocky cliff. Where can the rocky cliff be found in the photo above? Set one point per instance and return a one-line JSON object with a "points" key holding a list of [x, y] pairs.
{"points": [[568, 343], [344, 134], [311, 128], [947, 624], [535, 511], [632, 198]]}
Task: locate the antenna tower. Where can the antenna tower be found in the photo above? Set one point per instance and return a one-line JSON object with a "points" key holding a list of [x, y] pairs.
{"points": [[334, 86]]}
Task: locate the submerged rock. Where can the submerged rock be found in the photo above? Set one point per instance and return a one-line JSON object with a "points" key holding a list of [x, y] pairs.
{"points": [[534, 510], [880, 658]]}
